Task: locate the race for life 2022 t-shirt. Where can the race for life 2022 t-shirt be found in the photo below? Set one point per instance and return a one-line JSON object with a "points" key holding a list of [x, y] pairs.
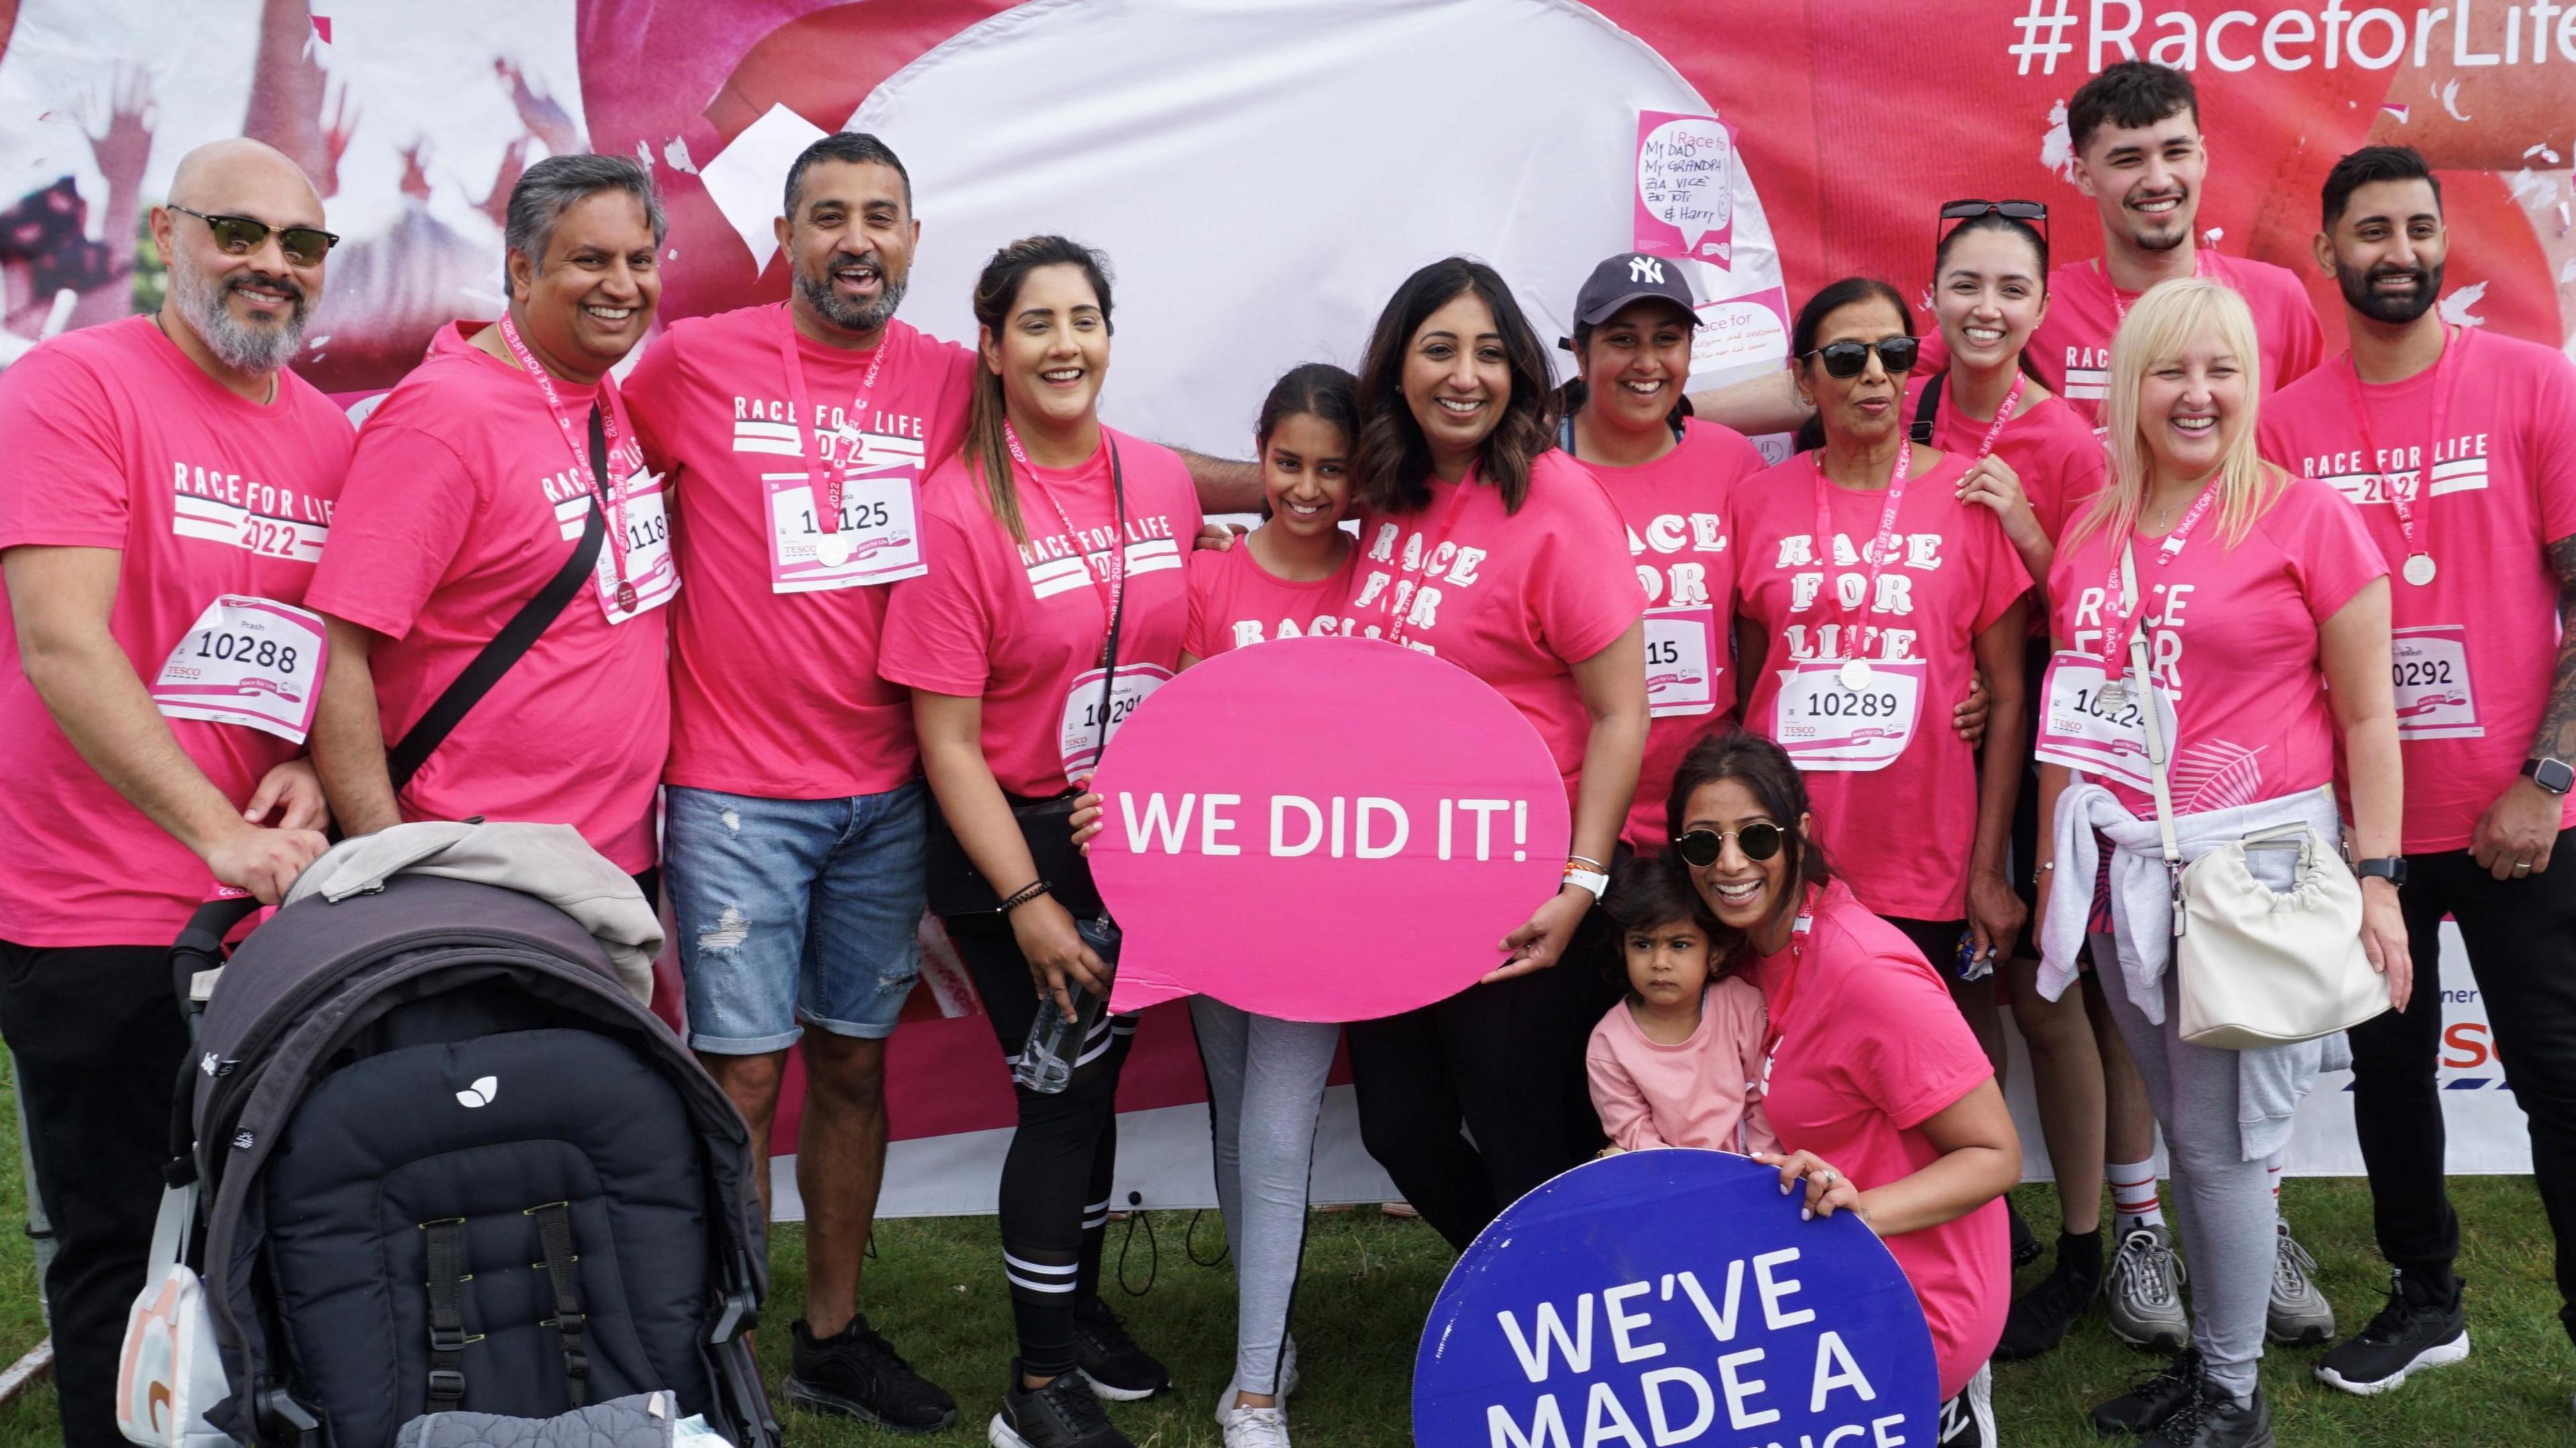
{"points": [[463, 501], [2232, 642], [1675, 512], [1019, 623], [1516, 599], [117, 440], [2071, 347], [1882, 762], [2477, 645], [774, 687], [1235, 602], [1868, 1048]]}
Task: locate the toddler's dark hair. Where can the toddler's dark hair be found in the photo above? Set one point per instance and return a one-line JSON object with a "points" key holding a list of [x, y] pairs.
{"points": [[1645, 896]]}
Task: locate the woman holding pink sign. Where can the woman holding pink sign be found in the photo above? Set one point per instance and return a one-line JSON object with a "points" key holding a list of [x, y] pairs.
{"points": [[1060, 605], [1868, 585], [1483, 546]]}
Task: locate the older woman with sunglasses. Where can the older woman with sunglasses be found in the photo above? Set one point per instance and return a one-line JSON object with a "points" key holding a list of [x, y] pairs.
{"points": [[1867, 588], [1882, 1101]]}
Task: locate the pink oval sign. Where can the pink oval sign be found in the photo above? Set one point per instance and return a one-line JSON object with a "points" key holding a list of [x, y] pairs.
{"points": [[1323, 829]]}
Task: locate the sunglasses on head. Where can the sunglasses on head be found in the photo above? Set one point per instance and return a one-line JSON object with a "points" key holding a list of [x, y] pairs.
{"points": [[240, 236], [1970, 208], [1759, 841], [1849, 359]]}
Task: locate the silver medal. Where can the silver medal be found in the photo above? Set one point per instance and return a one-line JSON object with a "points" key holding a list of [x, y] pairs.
{"points": [[833, 548], [1855, 673], [2419, 569], [2111, 696]]}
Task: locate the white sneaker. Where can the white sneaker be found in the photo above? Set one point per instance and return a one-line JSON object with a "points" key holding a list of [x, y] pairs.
{"points": [[1287, 1382], [1256, 1428]]}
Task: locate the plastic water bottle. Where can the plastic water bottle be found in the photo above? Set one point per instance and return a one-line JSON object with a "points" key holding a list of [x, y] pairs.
{"points": [[1046, 1061]]}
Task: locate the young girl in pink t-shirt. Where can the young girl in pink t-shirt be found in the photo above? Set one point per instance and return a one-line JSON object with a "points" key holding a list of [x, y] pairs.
{"points": [[1678, 1062]]}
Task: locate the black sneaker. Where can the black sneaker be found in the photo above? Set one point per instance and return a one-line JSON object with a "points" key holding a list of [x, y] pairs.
{"points": [[2025, 1242], [2412, 1331], [858, 1374], [2152, 1397], [2041, 1316], [2214, 1419], [1063, 1414], [1118, 1369]]}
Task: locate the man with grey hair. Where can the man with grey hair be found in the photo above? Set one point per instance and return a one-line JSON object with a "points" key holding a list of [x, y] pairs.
{"points": [[501, 483], [171, 487]]}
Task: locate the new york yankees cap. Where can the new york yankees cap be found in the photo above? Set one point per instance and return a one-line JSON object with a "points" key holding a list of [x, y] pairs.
{"points": [[1628, 277]]}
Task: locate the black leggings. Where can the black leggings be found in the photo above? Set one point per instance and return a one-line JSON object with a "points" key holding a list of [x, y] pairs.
{"points": [[1056, 1177]]}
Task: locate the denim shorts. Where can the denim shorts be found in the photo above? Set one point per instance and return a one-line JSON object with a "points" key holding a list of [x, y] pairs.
{"points": [[795, 912]]}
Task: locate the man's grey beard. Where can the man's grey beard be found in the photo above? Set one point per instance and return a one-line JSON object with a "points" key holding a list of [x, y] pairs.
{"points": [[242, 346], [851, 316]]}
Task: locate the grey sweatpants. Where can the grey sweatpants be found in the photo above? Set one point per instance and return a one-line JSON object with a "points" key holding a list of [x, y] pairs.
{"points": [[2227, 1214], [1265, 1085]]}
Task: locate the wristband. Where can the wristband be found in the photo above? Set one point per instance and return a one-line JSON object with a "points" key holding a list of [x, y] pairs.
{"points": [[1024, 895], [1592, 880]]}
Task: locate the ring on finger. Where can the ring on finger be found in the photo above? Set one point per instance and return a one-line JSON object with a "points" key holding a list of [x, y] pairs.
{"points": [[2522, 867]]}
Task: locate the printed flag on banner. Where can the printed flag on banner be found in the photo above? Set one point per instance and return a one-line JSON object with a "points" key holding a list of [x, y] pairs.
{"points": [[1685, 187]]}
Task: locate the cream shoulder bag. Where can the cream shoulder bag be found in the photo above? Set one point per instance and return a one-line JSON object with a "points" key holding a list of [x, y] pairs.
{"points": [[2257, 966]]}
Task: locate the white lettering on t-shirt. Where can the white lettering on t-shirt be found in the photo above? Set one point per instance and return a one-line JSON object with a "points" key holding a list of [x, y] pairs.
{"points": [[218, 506]]}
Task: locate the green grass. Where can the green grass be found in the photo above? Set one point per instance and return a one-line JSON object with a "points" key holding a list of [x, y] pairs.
{"points": [[936, 1289]]}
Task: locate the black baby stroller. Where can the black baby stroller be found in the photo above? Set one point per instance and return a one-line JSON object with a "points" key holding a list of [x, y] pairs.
{"points": [[447, 1162]]}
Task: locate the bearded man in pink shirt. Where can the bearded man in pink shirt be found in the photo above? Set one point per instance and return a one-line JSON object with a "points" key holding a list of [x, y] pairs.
{"points": [[170, 489]]}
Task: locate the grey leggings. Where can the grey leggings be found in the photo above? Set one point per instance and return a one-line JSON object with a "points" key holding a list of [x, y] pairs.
{"points": [[2226, 1209], [1265, 1085]]}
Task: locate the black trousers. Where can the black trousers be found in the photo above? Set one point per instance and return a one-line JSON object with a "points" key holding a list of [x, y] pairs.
{"points": [[100, 1044], [2521, 939]]}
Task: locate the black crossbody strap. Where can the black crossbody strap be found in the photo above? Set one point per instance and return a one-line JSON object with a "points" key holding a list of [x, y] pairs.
{"points": [[516, 637], [1117, 614], [1926, 409]]}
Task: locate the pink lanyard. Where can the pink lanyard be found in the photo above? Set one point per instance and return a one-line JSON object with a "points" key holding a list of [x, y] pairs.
{"points": [[2120, 309], [1882, 544], [1432, 544], [1775, 1019], [615, 508], [1116, 587], [2003, 415], [2119, 614], [2418, 568], [827, 489]]}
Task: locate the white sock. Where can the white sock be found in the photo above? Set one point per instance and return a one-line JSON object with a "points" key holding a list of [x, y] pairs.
{"points": [[2133, 1196]]}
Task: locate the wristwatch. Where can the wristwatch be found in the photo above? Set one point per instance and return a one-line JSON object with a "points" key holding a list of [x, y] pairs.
{"points": [[2391, 868], [2554, 775]]}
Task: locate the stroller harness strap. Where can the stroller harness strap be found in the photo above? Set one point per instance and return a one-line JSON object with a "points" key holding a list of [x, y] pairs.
{"points": [[554, 1233], [447, 1339]]}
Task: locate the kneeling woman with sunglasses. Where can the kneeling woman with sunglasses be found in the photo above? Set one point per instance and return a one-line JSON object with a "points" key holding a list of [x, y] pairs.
{"points": [[1055, 592], [1869, 593], [1880, 1097]]}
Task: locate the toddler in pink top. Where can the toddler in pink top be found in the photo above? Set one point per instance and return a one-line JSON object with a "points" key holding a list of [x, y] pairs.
{"points": [[1678, 1062]]}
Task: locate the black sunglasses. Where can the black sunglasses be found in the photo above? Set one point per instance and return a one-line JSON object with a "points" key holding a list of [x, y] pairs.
{"points": [[1973, 207], [1848, 358], [240, 236], [1759, 841]]}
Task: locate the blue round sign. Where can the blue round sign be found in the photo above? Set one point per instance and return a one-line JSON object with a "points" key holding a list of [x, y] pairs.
{"points": [[1674, 1297]]}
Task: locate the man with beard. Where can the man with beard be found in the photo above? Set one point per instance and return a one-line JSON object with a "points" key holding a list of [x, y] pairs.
{"points": [[484, 476], [171, 485], [2459, 447]]}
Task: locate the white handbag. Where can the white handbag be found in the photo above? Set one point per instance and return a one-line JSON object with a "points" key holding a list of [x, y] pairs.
{"points": [[170, 1372], [2257, 966]]}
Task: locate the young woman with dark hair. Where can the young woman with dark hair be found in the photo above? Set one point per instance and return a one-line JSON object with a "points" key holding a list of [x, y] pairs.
{"points": [[1879, 1094], [1484, 547], [1057, 604]]}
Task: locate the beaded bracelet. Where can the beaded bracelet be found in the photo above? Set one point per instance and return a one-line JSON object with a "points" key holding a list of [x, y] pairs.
{"points": [[1024, 895]]}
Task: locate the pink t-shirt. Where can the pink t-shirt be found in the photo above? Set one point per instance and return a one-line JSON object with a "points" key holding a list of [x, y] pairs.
{"points": [[1017, 623], [116, 440], [2232, 637], [2072, 345], [1870, 1048], [1675, 512], [776, 694], [2477, 646], [463, 501], [1514, 599], [1703, 1092], [1235, 602], [1954, 578], [2051, 448]]}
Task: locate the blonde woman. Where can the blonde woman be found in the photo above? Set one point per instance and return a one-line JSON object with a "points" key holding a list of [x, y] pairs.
{"points": [[2265, 609]]}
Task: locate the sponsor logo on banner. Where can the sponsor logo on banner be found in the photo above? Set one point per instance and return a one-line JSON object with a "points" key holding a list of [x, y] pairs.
{"points": [[1353, 869], [1674, 1296]]}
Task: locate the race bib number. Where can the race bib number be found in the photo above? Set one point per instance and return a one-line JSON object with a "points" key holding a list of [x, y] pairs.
{"points": [[1681, 661], [2105, 736], [247, 661], [650, 571], [2430, 672], [1085, 732], [1826, 724], [879, 538]]}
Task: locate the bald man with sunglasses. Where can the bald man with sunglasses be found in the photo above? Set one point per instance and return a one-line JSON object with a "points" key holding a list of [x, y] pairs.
{"points": [[170, 487]]}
